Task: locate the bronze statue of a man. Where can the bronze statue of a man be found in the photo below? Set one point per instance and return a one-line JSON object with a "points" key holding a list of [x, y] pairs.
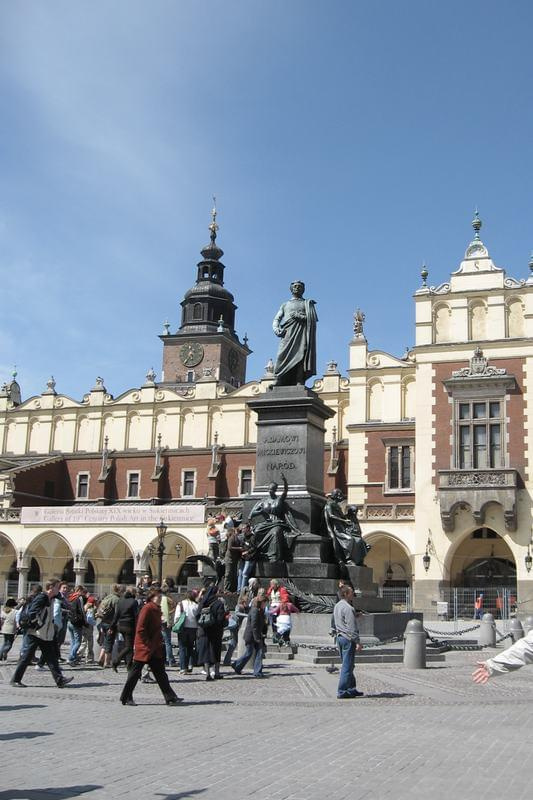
{"points": [[295, 324], [345, 531]]}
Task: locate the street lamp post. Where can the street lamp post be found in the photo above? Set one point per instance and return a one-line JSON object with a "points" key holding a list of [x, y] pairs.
{"points": [[161, 531]]}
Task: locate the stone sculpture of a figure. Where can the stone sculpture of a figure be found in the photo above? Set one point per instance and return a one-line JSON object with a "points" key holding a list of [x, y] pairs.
{"points": [[273, 527], [348, 544], [295, 324]]}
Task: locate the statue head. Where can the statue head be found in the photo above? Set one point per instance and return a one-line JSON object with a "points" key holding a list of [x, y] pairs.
{"points": [[273, 488], [297, 288], [352, 511], [337, 495]]}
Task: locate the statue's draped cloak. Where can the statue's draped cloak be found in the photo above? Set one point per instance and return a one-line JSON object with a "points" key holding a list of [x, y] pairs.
{"points": [[298, 344]]}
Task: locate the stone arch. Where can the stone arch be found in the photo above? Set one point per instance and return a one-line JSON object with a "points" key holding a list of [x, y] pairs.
{"points": [[52, 551], [107, 551], [83, 434], [197, 311], [514, 318], [477, 320], [387, 548], [216, 421], [187, 438], [442, 323], [173, 565], [133, 432], [342, 420], [11, 437], [111, 429], [477, 545], [408, 397], [59, 442], [8, 555], [375, 400], [37, 437]]}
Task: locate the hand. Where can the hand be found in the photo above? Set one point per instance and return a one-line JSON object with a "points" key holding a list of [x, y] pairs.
{"points": [[481, 674], [358, 647]]}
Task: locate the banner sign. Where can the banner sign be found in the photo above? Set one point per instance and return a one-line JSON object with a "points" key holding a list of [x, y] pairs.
{"points": [[113, 515]]}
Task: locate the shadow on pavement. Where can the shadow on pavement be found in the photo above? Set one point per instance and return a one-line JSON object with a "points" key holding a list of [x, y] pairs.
{"points": [[180, 795], [6, 737], [21, 708], [52, 792]]}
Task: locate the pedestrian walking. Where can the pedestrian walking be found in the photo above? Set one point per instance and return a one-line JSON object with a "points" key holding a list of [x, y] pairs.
{"points": [[9, 627], [39, 632], [211, 616], [254, 635], [167, 615], [188, 631], [149, 650], [77, 622], [345, 622], [124, 623]]}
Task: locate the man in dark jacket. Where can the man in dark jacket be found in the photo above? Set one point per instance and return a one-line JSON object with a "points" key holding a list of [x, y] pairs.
{"points": [[254, 634], [40, 633]]}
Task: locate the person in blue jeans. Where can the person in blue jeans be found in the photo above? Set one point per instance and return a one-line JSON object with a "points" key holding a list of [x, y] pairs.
{"points": [[256, 627], [345, 622]]}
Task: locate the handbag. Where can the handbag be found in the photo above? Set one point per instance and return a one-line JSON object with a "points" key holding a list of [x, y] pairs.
{"points": [[180, 622], [205, 620]]}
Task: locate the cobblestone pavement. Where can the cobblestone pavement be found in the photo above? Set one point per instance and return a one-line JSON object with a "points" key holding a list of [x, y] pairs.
{"points": [[417, 733]]}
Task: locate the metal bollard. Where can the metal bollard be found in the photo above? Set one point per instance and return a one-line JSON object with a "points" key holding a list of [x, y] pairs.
{"points": [[414, 648], [487, 631], [528, 625], [516, 630]]}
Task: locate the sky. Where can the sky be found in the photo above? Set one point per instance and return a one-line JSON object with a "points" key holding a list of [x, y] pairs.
{"points": [[347, 142]]}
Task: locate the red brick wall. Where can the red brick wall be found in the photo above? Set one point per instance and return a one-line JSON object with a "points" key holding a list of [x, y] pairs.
{"points": [[376, 466], [64, 474]]}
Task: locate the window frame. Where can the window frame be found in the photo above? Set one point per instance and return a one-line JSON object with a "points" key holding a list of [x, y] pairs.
{"points": [[242, 470], [129, 474], [399, 442], [184, 471], [472, 423], [83, 474]]}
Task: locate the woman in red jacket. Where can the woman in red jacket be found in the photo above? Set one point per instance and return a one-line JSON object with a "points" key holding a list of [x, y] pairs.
{"points": [[148, 649]]}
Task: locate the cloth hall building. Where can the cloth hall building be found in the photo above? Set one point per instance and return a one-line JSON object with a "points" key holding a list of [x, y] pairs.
{"points": [[434, 447]]}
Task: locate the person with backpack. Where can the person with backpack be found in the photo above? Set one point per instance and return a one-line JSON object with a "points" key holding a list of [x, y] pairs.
{"points": [[105, 615], [187, 631], [211, 617], [77, 622], [37, 622]]}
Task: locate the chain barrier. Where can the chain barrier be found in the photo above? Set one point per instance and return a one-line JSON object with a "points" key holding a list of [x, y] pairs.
{"points": [[503, 636], [453, 633]]}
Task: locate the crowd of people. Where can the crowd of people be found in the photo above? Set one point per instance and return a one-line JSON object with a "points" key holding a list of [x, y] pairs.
{"points": [[134, 626]]}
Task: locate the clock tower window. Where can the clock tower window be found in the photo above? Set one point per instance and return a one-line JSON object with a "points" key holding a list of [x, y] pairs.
{"points": [[197, 311], [190, 376]]}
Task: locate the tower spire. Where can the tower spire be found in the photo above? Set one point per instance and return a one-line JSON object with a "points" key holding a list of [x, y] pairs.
{"points": [[213, 227], [476, 224]]}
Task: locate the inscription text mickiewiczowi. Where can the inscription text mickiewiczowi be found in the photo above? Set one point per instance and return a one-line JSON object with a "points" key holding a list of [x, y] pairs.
{"points": [[280, 446]]}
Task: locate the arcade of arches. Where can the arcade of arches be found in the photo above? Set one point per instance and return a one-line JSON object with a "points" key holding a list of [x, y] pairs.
{"points": [[106, 559]]}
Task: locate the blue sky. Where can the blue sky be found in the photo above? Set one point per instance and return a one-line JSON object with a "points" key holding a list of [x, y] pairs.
{"points": [[346, 141]]}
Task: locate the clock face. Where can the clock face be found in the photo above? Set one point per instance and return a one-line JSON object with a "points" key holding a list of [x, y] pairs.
{"points": [[191, 354], [233, 359]]}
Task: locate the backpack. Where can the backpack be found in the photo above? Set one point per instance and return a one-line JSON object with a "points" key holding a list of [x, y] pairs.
{"points": [[75, 614], [27, 619], [206, 619], [106, 609]]}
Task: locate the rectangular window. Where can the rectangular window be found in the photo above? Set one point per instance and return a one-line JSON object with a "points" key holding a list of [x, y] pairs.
{"points": [[82, 489], [245, 482], [399, 463], [480, 434], [134, 480], [188, 482]]}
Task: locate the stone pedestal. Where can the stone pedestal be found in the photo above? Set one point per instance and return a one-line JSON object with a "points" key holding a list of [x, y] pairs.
{"points": [[290, 441]]}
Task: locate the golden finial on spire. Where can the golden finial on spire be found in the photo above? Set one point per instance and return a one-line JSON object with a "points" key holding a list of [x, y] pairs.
{"points": [[213, 227], [476, 224]]}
